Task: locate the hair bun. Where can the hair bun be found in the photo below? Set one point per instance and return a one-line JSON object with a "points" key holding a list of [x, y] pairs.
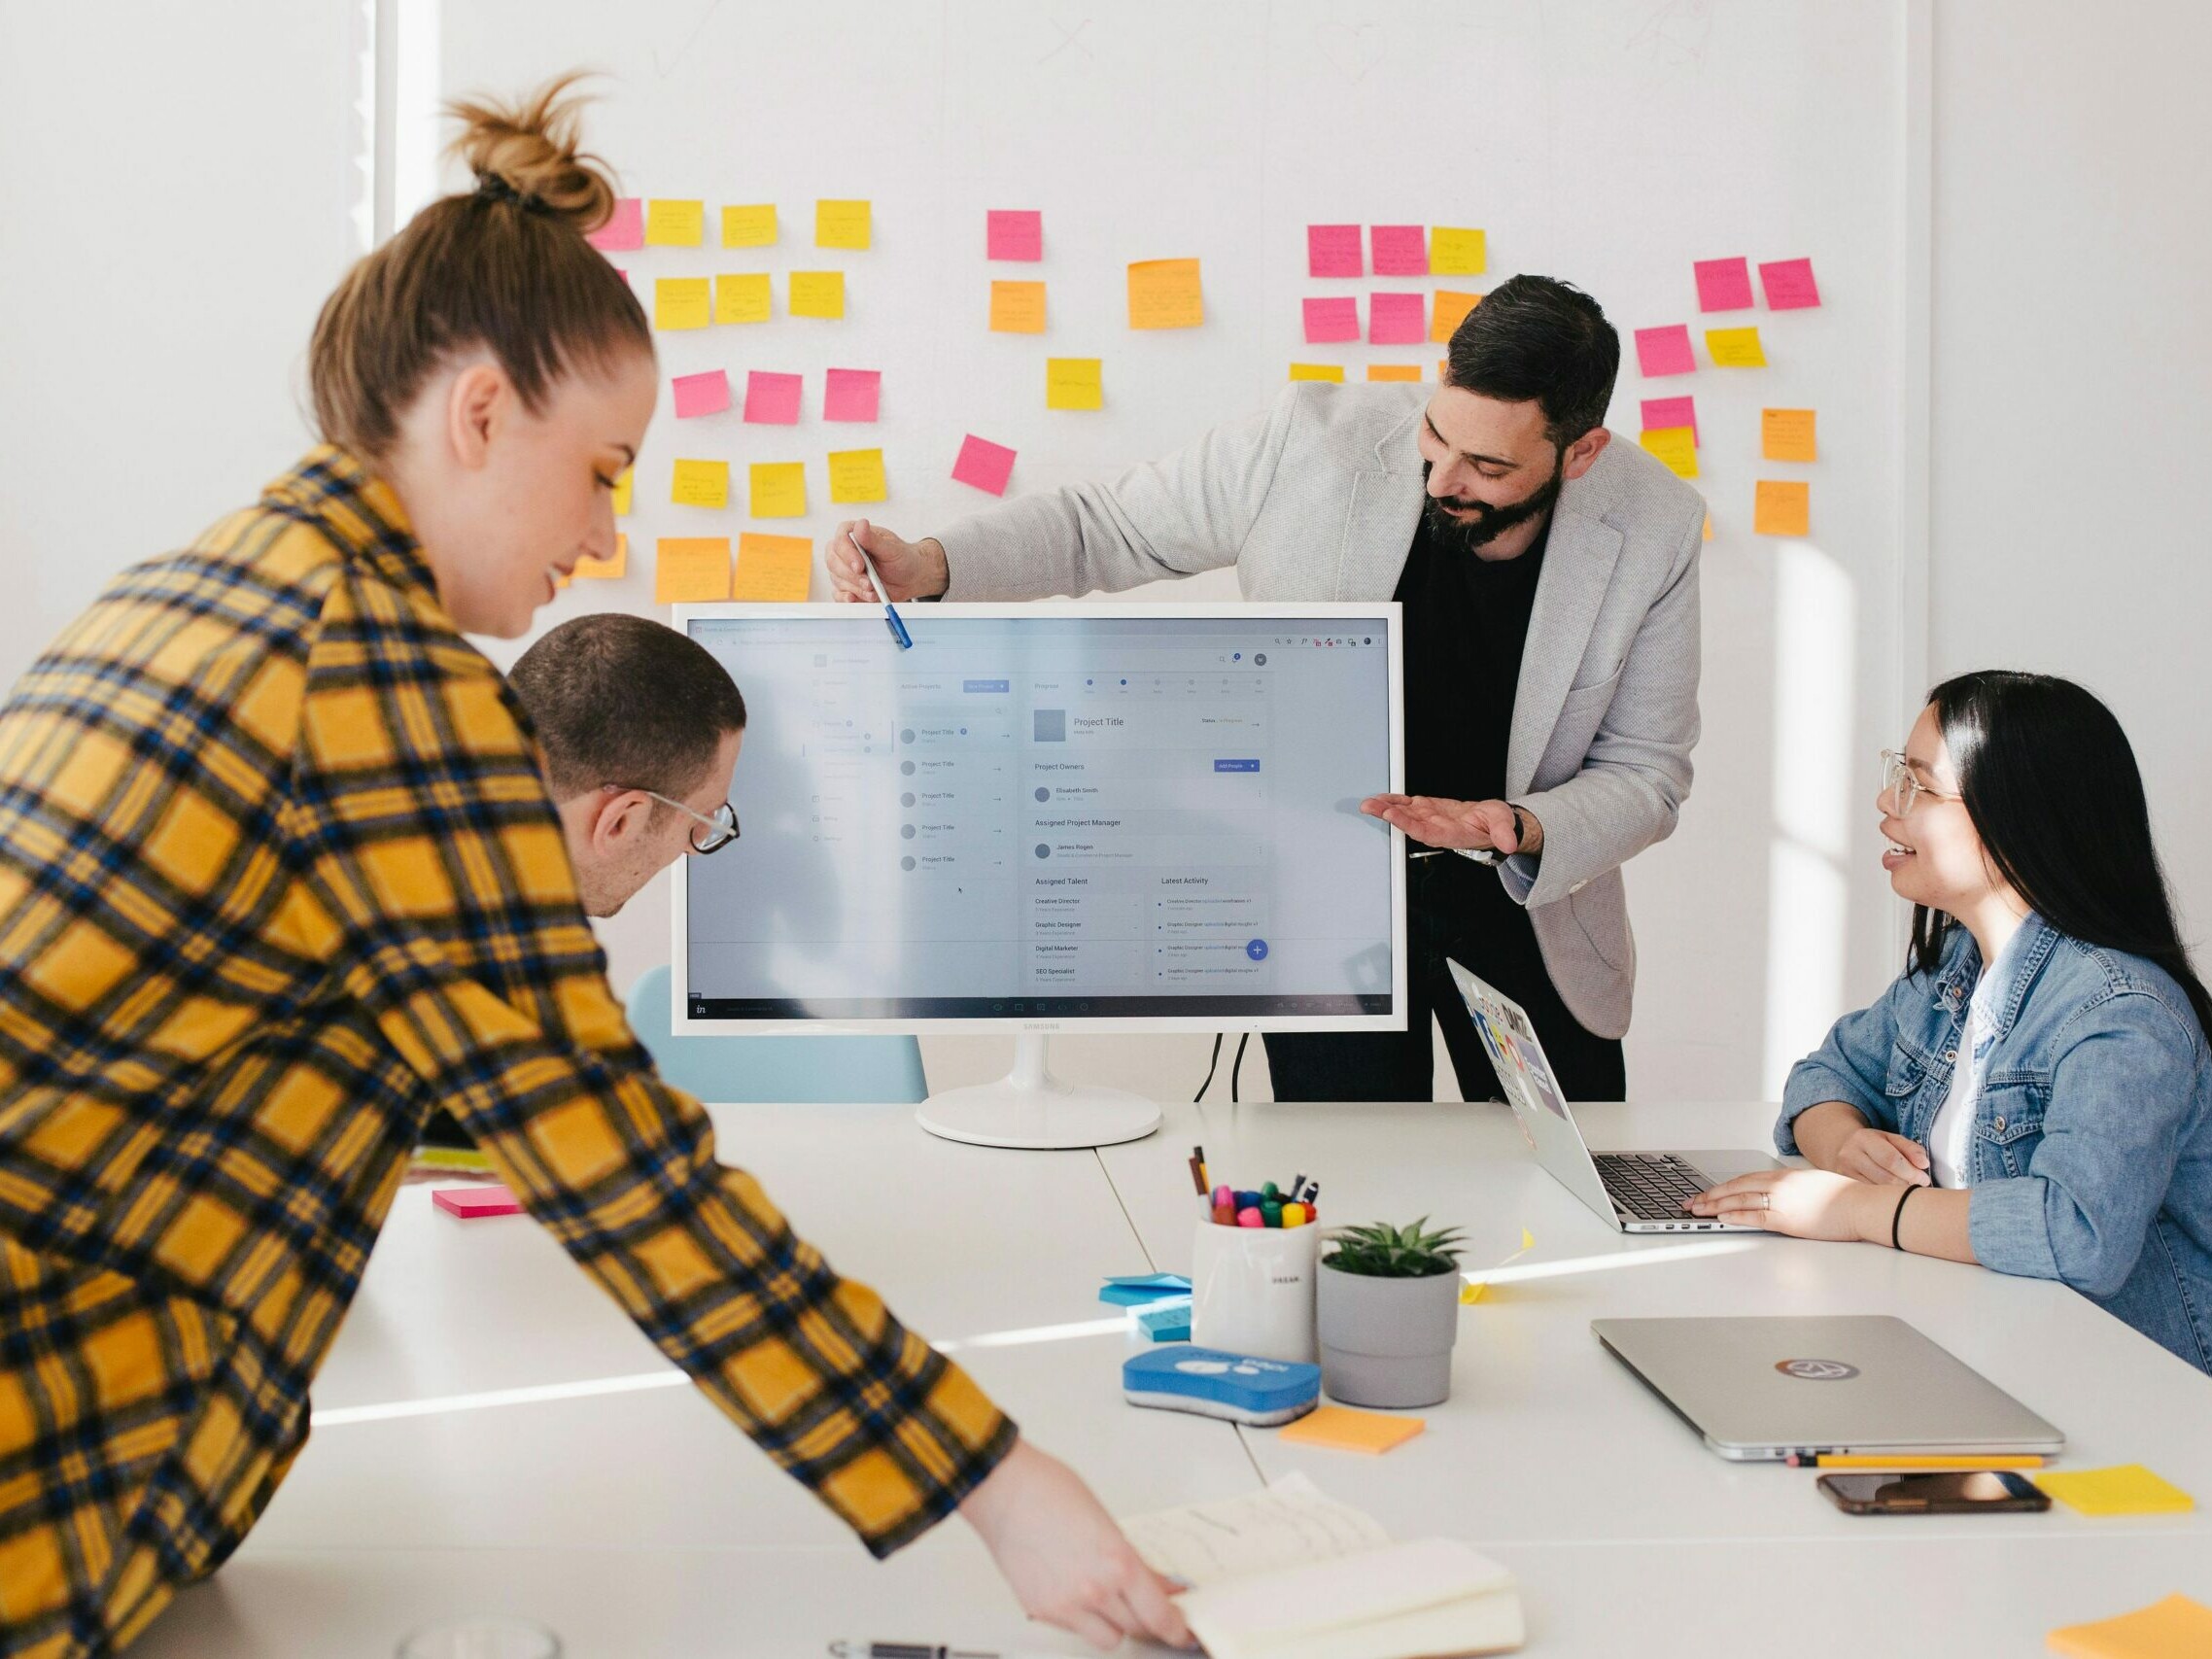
{"points": [[530, 150]]}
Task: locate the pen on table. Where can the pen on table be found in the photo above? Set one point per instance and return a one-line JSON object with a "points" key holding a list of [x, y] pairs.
{"points": [[1832, 1460], [891, 616], [910, 1650]]}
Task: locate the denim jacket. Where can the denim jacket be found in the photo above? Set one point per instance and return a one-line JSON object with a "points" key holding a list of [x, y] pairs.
{"points": [[2091, 1152]]}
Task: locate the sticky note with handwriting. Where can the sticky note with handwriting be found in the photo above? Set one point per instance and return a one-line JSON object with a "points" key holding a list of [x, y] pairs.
{"points": [[1397, 320], [1014, 233], [1457, 252], [1724, 285], [743, 296], [1399, 250], [701, 484], [984, 465], [1781, 506], [1664, 351], [843, 223], [750, 226], [674, 223], [681, 302], [1676, 447], [1448, 310], [1332, 319], [853, 393], [1786, 435], [1735, 348], [778, 488], [774, 569], [707, 394], [817, 294], [772, 399], [691, 569], [1074, 383], [1789, 285], [1335, 251], [1166, 293], [858, 475], [1017, 308]]}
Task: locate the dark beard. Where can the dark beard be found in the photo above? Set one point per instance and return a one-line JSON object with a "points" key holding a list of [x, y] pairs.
{"points": [[1465, 535]]}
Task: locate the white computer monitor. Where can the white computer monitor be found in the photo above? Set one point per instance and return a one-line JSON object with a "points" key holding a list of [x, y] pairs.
{"points": [[1051, 817]]}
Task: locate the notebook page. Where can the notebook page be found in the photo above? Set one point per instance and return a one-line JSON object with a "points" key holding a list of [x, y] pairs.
{"points": [[1289, 1524]]}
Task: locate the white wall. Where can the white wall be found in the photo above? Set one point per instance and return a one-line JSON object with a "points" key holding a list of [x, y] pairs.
{"points": [[178, 197], [2072, 352]]}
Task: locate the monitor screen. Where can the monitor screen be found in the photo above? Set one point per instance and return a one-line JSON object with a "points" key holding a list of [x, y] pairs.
{"points": [[1053, 816]]}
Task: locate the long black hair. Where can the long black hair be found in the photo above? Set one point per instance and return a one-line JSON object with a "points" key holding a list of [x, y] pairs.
{"points": [[2052, 789]]}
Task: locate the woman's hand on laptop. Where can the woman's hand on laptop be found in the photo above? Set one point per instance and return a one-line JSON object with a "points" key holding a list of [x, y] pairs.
{"points": [[1804, 1204], [910, 570]]}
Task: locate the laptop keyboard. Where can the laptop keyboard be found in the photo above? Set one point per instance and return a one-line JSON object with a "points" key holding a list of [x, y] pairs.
{"points": [[1650, 1186]]}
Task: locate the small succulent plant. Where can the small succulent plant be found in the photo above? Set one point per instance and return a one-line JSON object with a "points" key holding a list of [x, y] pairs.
{"points": [[1384, 1252]]}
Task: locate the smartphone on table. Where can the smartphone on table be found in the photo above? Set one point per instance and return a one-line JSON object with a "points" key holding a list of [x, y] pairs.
{"points": [[1960, 1492]]}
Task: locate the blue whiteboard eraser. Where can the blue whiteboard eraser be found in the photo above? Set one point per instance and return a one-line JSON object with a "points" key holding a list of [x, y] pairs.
{"points": [[1238, 1387]]}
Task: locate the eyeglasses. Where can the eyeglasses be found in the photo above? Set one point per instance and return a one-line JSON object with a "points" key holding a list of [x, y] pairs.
{"points": [[1900, 783], [721, 824]]}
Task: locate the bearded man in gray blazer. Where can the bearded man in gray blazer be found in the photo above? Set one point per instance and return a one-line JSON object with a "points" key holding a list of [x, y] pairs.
{"points": [[1549, 580]]}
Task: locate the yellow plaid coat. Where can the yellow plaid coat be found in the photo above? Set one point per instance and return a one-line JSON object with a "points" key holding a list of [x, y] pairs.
{"points": [[278, 873]]}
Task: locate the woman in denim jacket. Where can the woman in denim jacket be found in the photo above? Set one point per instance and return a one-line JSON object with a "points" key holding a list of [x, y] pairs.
{"points": [[2050, 1117]]}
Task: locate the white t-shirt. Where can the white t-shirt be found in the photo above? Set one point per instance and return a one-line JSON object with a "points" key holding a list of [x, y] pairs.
{"points": [[1951, 1137]]}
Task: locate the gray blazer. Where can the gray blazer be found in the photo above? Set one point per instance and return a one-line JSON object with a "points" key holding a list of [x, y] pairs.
{"points": [[1317, 498]]}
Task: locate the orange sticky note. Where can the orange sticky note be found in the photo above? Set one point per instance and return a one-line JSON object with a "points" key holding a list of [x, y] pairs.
{"points": [[817, 294], [605, 570], [1017, 308], [1735, 348], [1782, 506], [1166, 293], [1343, 1431], [681, 302], [778, 488], [691, 569], [701, 484], [2172, 1629], [674, 223], [1448, 311], [855, 475], [743, 296], [842, 224], [750, 226], [773, 567], [1709, 527], [1786, 435], [1394, 371], [1317, 371], [1676, 446]]}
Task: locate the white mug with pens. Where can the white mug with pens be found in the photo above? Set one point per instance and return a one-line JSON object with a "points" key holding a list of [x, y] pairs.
{"points": [[1253, 1269]]}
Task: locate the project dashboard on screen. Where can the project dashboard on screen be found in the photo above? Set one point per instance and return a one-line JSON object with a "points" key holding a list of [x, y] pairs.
{"points": [[1068, 812]]}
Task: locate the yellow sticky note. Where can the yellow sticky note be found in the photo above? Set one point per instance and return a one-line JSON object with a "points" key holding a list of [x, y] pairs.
{"points": [[605, 570], [691, 569], [1317, 371], [1448, 311], [2176, 1628], [842, 225], [674, 223], [1016, 307], [1781, 506], [741, 296], [681, 302], [1394, 371], [773, 568], [1676, 446], [2125, 1488], [855, 475], [1166, 293], [817, 294], [1074, 383], [623, 491], [1457, 252], [701, 484], [1735, 348], [778, 488], [751, 226], [1346, 1431], [1786, 435]]}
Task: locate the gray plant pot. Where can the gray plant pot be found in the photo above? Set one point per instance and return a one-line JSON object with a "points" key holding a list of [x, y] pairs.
{"points": [[1386, 1342]]}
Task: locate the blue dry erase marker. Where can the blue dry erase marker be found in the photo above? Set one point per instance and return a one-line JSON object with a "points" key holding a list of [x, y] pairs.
{"points": [[890, 617]]}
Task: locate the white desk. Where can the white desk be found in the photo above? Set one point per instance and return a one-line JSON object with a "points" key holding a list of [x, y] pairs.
{"points": [[641, 1523]]}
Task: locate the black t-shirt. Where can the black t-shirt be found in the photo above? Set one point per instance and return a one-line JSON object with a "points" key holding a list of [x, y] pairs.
{"points": [[1467, 620]]}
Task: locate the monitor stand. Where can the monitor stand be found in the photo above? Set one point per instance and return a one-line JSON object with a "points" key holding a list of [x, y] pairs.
{"points": [[1030, 1108]]}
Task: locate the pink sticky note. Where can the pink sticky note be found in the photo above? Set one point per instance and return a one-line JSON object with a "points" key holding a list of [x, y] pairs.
{"points": [[1724, 285], [626, 229], [772, 399], [1328, 319], [1016, 234], [852, 394], [1664, 351], [1333, 251], [1396, 319], [984, 465], [1789, 285], [472, 1203], [1660, 413], [1401, 250], [702, 394]]}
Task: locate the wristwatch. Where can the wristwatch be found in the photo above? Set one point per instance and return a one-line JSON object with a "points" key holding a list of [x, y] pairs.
{"points": [[1490, 855]]}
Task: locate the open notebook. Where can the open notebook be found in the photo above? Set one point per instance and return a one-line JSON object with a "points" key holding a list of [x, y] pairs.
{"points": [[1286, 1574]]}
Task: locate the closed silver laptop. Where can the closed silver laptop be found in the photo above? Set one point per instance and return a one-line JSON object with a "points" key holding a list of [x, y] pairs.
{"points": [[1638, 1191], [1761, 1388]]}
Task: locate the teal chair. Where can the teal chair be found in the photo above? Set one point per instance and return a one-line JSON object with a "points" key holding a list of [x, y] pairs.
{"points": [[797, 1069]]}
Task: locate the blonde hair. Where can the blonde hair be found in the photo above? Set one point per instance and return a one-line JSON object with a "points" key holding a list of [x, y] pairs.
{"points": [[503, 267]]}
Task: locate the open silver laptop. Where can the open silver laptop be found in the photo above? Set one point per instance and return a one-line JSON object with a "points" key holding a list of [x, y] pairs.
{"points": [[1638, 1191], [1765, 1388]]}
